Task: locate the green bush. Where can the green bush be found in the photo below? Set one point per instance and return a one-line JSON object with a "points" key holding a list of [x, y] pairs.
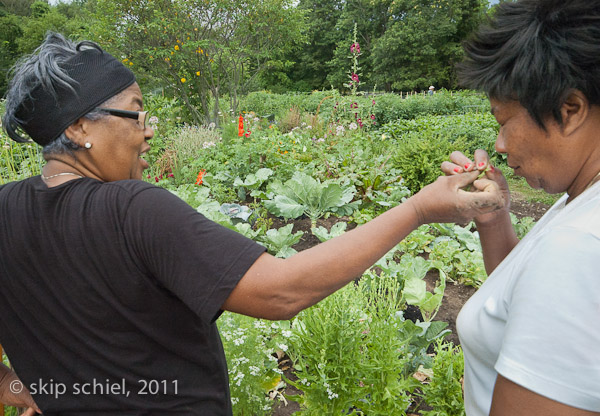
{"points": [[387, 107], [479, 130], [419, 156]]}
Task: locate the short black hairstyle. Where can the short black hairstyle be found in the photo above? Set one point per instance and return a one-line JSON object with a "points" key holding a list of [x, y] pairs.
{"points": [[536, 52]]}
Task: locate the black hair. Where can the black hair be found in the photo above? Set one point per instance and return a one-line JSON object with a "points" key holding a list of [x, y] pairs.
{"points": [[536, 52]]}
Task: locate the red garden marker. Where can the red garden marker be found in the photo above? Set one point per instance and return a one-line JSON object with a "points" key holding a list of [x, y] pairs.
{"points": [[241, 126]]}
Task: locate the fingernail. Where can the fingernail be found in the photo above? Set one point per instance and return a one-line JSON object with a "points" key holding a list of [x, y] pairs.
{"points": [[492, 169], [481, 164], [457, 169], [467, 166]]}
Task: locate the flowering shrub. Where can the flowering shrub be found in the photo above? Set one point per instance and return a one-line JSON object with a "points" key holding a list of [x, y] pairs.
{"points": [[349, 355], [251, 348]]}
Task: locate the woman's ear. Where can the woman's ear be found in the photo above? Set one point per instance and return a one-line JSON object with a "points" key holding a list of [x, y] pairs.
{"points": [[574, 111], [77, 132]]}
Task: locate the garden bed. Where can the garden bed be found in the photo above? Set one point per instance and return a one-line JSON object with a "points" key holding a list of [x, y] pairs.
{"points": [[454, 298]]}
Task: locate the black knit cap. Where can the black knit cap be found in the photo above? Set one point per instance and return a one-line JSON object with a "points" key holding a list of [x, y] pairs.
{"points": [[98, 75]]}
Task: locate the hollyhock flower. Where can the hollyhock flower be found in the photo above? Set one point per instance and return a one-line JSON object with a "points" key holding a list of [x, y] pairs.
{"points": [[372, 116], [355, 48], [355, 78]]}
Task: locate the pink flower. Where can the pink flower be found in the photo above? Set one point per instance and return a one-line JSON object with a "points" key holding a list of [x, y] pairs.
{"points": [[170, 175], [355, 78], [149, 176], [372, 116], [355, 48], [156, 178], [373, 102]]}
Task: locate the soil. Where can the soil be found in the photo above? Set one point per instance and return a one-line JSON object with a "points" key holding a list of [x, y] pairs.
{"points": [[455, 295]]}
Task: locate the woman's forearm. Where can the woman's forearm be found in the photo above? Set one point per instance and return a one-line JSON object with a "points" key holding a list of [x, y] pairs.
{"points": [[498, 238]]}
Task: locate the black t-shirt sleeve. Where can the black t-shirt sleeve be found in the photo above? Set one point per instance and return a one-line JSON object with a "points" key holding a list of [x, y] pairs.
{"points": [[196, 259]]}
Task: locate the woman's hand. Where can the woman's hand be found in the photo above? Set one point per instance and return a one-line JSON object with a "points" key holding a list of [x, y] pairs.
{"points": [[14, 393], [459, 163], [445, 200]]}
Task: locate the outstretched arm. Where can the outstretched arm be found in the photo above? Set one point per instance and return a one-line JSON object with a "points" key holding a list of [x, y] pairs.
{"points": [[279, 288]]}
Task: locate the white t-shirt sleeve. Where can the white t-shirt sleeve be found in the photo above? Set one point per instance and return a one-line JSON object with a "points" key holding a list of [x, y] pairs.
{"points": [[552, 337]]}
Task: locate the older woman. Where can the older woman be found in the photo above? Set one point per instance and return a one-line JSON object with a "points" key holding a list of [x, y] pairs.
{"points": [[531, 333], [110, 283]]}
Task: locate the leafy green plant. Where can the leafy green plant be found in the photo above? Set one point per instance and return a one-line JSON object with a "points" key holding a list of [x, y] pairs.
{"points": [[251, 183], [349, 357], [521, 226], [280, 241], [418, 241], [303, 194], [323, 235], [18, 160], [419, 156], [415, 290], [444, 392]]}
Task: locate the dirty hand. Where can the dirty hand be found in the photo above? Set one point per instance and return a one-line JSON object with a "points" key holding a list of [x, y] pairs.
{"points": [[445, 200], [459, 163]]}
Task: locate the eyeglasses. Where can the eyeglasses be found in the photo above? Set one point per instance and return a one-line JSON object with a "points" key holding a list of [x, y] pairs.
{"points": [[140, 116]]}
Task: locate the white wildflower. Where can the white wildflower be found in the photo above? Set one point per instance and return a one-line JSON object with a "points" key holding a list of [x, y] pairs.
{"points": [[238, 378], [353, 126]]}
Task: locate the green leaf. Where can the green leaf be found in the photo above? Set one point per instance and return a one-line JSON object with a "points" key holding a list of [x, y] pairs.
{"points": [[283, 206]]}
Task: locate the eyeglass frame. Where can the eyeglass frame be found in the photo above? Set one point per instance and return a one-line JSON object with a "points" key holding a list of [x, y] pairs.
{"points": [[140, 116]]}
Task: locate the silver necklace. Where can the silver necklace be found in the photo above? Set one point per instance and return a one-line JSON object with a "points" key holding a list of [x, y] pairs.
{"points": [[60, 174]]}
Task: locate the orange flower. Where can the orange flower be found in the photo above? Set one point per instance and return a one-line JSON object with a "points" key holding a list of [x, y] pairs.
{"points": [[200, 176]]}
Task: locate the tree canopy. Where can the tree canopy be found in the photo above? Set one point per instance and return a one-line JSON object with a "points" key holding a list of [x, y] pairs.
{"points": [[204, 50]]}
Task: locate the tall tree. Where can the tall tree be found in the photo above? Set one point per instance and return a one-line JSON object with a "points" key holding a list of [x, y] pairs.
{"points": [[10, 33], [205, 48], [309, 72], [18, 7], [422, 42], [371, 20]]}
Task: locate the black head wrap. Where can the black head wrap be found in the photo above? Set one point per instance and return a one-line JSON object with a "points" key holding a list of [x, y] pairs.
{"points": [[98, 76]]}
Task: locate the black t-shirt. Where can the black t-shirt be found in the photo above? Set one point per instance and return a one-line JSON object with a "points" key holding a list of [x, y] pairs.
{"points": [[108, 297]]}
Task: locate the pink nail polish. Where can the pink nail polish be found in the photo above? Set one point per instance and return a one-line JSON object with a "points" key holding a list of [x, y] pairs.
{"points": [[467, 166], [457, 169], [492, 169], [481, 164]]}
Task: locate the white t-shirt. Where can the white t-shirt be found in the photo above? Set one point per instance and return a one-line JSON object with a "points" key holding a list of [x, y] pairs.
{"points": [[536, 319]]}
